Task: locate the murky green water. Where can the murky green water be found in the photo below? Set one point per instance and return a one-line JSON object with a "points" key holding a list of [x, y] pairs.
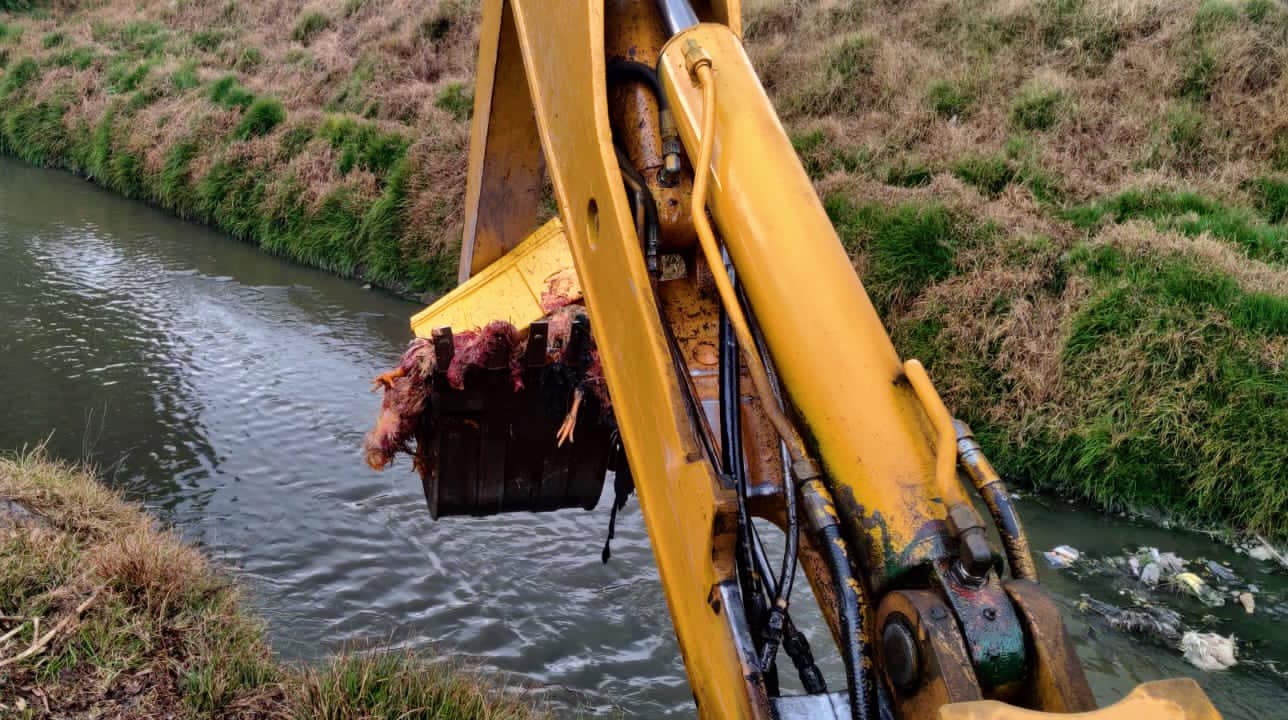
{"points": [[227, 390]]}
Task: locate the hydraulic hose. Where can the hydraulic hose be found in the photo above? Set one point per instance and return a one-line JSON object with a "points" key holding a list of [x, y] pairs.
{"points": [[622, 70], [850, 599], [619, 71], [817, 498], [642, 197], [755, 579], [788, 571], [700, 66], [997, 498], [794, 641]]}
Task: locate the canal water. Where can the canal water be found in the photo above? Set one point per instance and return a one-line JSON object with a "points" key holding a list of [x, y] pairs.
{"points": [[228, 391]]}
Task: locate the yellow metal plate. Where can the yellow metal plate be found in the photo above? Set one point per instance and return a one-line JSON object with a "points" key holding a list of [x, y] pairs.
{"points": [[510, 288]]}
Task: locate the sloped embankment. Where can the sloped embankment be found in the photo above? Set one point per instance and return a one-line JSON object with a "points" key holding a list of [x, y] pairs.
{"points": [[1072, 210], [103, 615]]}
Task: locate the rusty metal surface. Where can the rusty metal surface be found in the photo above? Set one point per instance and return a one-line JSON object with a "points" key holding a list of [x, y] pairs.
{"points": [[946, 675], [635, 33], [1057, 682], [1180, 699], [991, 630], [506, 171], [694, 317]]}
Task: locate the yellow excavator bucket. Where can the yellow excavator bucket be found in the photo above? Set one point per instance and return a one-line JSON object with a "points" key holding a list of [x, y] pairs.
{"points": [[1180, 699], [509, 289]]}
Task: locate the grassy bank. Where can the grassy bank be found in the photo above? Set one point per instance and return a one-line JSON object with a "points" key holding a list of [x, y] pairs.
{"points": [[334, 135], [1072, 210], [103, 615]]}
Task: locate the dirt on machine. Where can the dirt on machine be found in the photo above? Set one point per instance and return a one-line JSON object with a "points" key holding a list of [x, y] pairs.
{"points": [[690, 327]]}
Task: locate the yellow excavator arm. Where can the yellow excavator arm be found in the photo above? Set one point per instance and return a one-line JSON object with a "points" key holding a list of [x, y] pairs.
{"points": [[691, 321]]}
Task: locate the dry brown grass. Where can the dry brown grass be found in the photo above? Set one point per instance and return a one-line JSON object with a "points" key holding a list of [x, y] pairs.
{"points": [[138, 625], [1005, 114]]}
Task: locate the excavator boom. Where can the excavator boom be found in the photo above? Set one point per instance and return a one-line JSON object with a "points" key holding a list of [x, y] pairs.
{"points": [[691, 321]]}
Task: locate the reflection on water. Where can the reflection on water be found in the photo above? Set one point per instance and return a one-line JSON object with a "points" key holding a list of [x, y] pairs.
{"points": [[228, 391]]}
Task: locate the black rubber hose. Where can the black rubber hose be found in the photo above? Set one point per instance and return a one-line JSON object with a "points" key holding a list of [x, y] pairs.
{"points": [[787, 577], [639, 189], [735, 466], [794, 641], [850, 600], [620, 71]]}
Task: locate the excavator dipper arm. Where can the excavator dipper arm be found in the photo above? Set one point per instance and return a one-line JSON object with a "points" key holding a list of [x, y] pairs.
{"points": [[733, 366]]}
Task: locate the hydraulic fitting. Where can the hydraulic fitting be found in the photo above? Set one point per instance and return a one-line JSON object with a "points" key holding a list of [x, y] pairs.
{"points": [[669, 176], [974, 556]]}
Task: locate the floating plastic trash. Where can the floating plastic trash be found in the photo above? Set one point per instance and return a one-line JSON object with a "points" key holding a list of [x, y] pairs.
{"points": [[1062, 556], [1157, 623], [1194, 585], [1222, 573], [1151, 574], [1248, 602]]}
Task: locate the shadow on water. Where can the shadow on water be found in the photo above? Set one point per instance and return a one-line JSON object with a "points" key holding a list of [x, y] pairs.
{"points": [[229, 392]]}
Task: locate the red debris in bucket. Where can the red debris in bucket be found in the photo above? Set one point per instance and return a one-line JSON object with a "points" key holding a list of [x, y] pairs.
{"points": [[497, 345]]}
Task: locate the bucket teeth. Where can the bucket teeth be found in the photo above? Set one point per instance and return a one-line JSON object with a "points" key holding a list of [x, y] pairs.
{"points": [[507, 420]]}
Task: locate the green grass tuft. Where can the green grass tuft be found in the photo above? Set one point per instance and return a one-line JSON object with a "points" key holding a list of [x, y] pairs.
{"points": [[185, 78], [80, 58], [909, 173], [295, 138], [819, 155], [1191, 214], [309, 26], [125, 76], [1215, 15], [990, 174], [1038, 107], [260, 118], [949, 99], [227, 92], [18, 76], [208, 40], [456, 99], [908, 247], [1198, 75], [1271, 197], [248, 59], [1260, 11], [35, 132], [52, 40], [1185, 133], [176, 189], [363, 145]]}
